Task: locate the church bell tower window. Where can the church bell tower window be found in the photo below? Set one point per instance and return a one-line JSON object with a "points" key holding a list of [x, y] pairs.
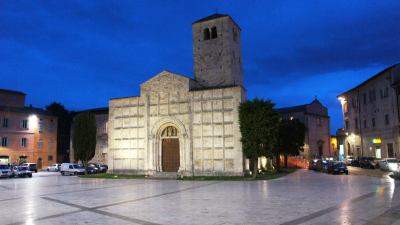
{"points": [[214, 33], [206, 34]]}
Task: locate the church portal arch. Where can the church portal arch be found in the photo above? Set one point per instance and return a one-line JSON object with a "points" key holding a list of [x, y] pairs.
{"points": [[170, 141]]}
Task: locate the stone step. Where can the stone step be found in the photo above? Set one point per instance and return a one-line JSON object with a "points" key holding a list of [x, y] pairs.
{"points": [[165, 175]]}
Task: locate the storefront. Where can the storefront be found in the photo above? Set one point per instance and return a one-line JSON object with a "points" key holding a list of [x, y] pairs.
{"points": [[4, 159]]}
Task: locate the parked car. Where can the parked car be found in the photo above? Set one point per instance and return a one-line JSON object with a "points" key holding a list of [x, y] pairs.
{"points": [[103, 168], [348, 160], [325, 165], [31, 166], [21, 171], [355, 162], [337, 167], [54, 168], [368, 162], [92, 168], [322, 165], [5, 171], [389, 164], [312, 165], [72, 169]]}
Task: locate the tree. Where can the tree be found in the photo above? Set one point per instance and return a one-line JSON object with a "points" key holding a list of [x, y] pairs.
{"points": [[291, 138], [84, 137], [259, 127], [63, 129]]}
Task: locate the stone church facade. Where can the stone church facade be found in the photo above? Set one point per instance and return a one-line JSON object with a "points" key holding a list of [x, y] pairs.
{"points": [[183, 125]]}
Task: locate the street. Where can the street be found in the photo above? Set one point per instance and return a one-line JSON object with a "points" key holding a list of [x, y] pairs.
{"points": [[304, 197]]}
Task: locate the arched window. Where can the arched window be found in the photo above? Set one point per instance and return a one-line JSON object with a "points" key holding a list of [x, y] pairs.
{"points": [[206, 34], [214, 33]]}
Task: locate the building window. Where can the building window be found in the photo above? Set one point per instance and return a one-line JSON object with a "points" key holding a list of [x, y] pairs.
{"points": [[365, 98], [51, 126], [24, 124], [353, 103], [4, 141], [41, 126], [234, 34], [365, 124], [50, 158], [319, 121], [356, 123], [390, 150], [50, 145], [206, 34], [387, 119], [346, 124], [385, 92], [5, 122], [372, 95], [40, 144], [24, 142], [214, 33], [373, 122]]}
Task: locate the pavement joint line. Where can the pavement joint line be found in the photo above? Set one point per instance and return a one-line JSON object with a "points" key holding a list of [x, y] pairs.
{"points": [[98, 211], [322, 212], [388, 217]]}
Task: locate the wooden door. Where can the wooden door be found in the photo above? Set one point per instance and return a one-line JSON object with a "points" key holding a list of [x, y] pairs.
{"points": [[170, 154]]}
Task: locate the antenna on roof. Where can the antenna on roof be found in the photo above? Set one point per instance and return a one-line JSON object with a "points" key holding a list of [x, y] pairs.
{"points": [[315, 97], [216, 10]]}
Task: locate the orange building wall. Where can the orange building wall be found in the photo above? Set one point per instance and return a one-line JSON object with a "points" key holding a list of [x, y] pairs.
{"points": [[15, 133]]}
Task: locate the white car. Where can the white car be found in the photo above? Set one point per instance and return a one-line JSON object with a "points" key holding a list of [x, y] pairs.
{"points": [[72, 169], [54, 168], [389, 164], [348, 160], [5, 171]]}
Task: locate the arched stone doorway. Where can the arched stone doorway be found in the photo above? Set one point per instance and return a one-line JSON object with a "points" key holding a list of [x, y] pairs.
{"points": [[170, 151]]}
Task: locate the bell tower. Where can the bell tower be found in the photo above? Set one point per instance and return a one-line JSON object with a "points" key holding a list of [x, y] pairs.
{"points": [[216, 51]]}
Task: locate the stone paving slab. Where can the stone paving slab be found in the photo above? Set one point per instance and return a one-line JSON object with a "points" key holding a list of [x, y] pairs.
{"points": [[304, 197]]}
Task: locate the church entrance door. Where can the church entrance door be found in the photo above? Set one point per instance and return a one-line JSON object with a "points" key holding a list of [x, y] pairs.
{"points": [[170, 154], [170, 158]]}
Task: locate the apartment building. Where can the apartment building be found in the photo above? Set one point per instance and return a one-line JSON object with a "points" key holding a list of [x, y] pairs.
{"points": [[371, 116], [27, 134]]}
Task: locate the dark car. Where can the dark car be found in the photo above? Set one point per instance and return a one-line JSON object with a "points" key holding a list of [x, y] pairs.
{"points": [[102, 168], [337, 167], [92, 168], [31, 166], [355, 162], [322, 165], [21, 171], [367, 162], [312, 165]]}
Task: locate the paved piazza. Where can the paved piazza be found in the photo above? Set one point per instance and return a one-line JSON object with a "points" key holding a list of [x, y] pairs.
{"points": [[304, 197]]}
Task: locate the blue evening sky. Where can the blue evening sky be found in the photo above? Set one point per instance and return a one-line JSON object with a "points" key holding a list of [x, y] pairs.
{"points": [[82, 53]]}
